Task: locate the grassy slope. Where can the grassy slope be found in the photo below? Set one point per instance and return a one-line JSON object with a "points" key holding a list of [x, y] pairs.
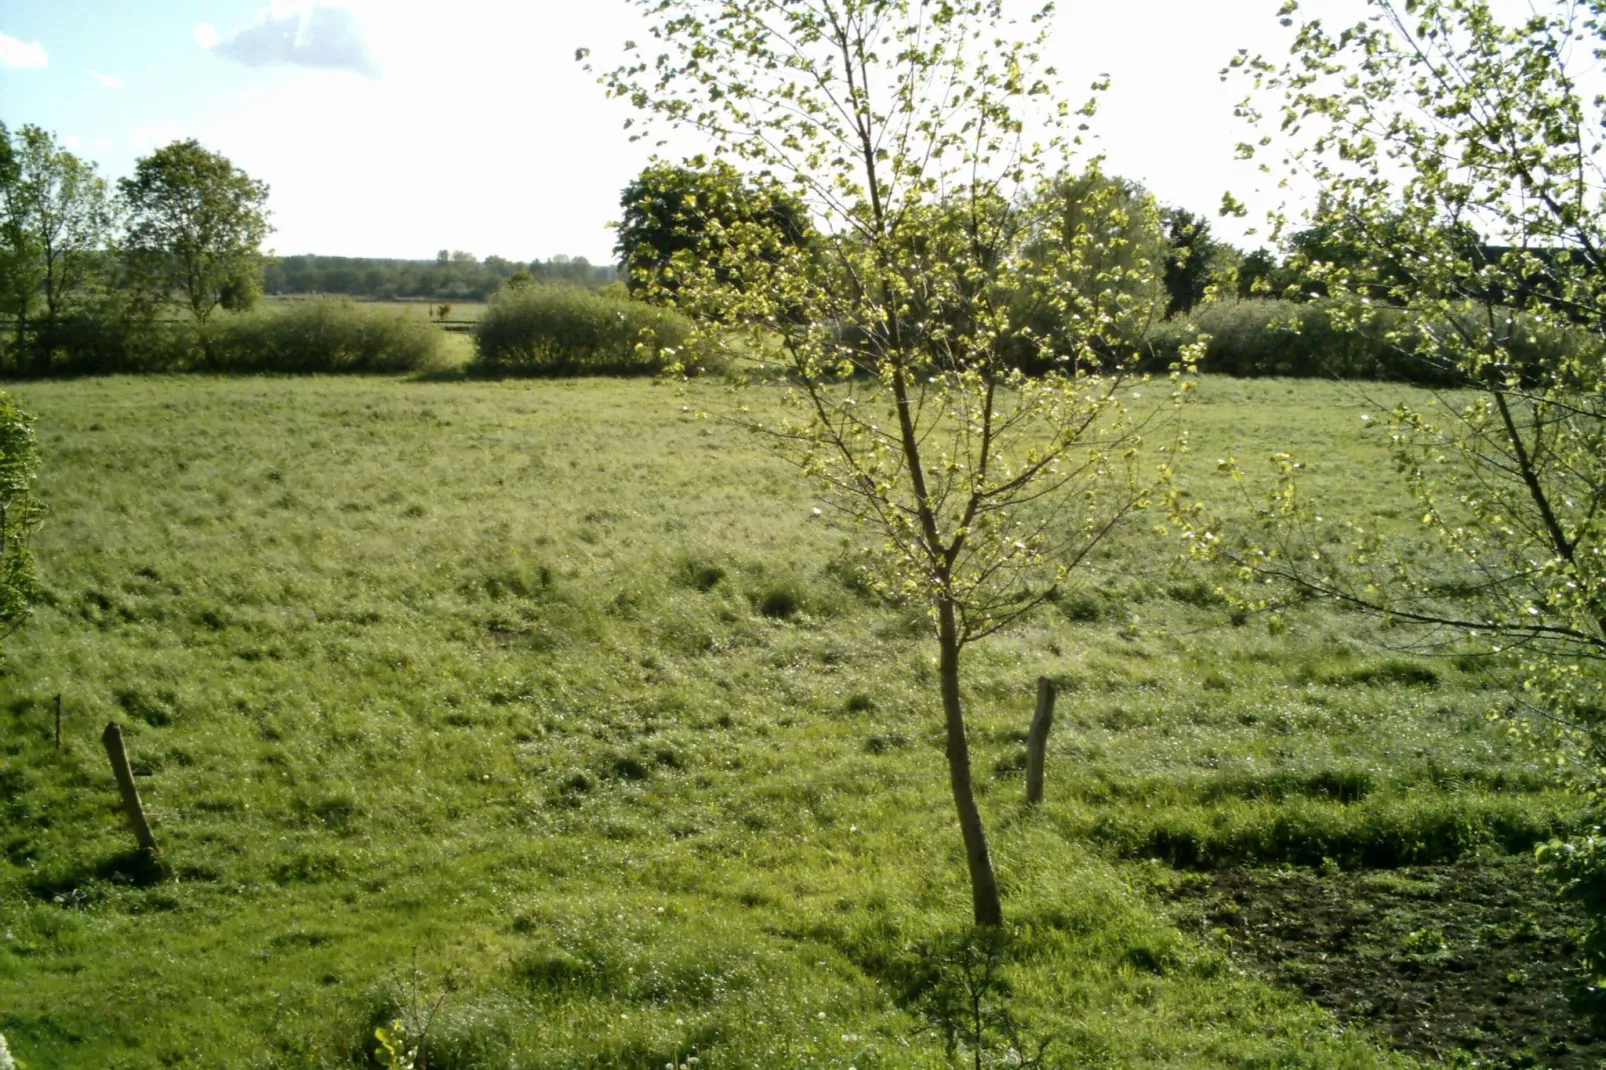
{"points": [[472, 676]]}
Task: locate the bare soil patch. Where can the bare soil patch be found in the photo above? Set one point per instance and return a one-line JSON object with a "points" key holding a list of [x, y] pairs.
{"points": [[1471, 963]]}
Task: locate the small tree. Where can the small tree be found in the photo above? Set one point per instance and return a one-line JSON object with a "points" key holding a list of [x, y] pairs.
{"points": [[903, 127], [1457, 160], [196, 226]]}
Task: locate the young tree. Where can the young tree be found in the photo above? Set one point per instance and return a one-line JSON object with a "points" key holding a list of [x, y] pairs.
{"points": [[55, 221], [1425, 124], [196, 224], [922, 137]]}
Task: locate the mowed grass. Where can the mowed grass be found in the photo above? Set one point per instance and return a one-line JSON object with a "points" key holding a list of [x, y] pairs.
{"points": [[556, 705]]}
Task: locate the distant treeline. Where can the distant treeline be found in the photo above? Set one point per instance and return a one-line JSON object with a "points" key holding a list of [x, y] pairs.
{"points": [[451, 275]]}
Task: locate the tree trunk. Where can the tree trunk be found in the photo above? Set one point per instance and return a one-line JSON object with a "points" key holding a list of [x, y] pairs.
{"points": [[983, 884]]}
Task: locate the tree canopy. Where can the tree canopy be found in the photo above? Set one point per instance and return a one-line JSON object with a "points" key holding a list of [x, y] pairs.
{"points": [[673, 213], [196, 227], [55, 225]]}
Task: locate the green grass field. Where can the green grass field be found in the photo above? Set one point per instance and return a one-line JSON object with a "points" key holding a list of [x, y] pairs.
{"points": [[461, 311], [465, 694]]}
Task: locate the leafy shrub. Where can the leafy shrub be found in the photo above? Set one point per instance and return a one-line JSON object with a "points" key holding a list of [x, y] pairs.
{"points": [[113, 337], [1579, 865], [553, 330], [325, 335], [1262, 337]]}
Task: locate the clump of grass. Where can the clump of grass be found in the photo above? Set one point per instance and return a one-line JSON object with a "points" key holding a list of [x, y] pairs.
{"points": [[1388, 672], [1081, 606], [781, 600], [1379, 833], [700, 574]]}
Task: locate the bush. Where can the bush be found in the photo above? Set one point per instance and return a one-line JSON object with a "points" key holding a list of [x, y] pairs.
{"points": [[1264, 337], [1267, 337], [1579, 865], [324, 335], [109, 335], [106, 342], [559, 330]]}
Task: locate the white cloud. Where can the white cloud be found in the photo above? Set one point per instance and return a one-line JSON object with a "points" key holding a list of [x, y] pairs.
{"points": [[73, 142], [110, 81], [316, 35], [15, 53], [100, 144], [152, 135]]}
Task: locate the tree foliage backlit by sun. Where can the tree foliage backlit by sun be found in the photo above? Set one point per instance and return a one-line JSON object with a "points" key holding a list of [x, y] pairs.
{"points": [[1458, 161], [930, 147]]}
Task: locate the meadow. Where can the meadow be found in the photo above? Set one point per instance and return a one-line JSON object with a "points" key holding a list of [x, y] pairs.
{"points": [[549, 715], [465, 312]]}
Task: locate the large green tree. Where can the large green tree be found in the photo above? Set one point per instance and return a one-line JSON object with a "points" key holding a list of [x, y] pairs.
{"points": [[1196, 261], [1100, 237], [675, 213], [912, 132], [19, 273], [196, 224], [1428, 122], [55, 227]]}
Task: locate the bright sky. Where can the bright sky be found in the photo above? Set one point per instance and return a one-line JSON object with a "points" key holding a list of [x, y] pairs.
{"points": [[399, 127]]}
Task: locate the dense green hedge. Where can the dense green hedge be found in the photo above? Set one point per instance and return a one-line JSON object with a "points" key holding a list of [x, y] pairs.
{"points": [[325, 335], [557, 330], [1257, 337]]}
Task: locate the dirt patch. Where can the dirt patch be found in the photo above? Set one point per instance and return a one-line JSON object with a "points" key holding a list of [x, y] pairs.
{"points": [[1471, 963]]}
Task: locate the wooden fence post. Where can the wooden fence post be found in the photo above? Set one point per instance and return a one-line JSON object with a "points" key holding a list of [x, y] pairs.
{"points": [[1037, 740], [113, 738]]}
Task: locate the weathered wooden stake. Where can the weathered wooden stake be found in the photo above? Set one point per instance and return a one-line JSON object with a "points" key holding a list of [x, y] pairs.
{"points": [[113, 738], [58, 721], [1037, 740]]}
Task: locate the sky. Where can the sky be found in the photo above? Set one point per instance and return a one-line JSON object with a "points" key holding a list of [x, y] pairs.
{"points": [[395, 128]]}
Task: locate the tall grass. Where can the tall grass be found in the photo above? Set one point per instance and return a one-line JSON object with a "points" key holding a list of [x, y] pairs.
{"points": [[569, 699]]}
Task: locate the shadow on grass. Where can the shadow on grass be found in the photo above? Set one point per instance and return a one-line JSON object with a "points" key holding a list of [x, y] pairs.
{"points": [[137, 868]]}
